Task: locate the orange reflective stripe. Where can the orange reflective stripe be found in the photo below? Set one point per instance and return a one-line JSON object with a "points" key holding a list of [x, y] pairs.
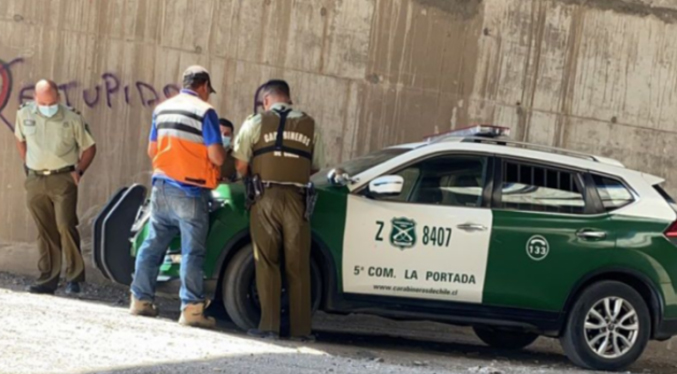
{"points": [[185, 161], [182, 154]]}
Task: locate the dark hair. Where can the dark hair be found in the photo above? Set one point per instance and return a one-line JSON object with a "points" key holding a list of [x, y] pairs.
{"points": [[226, 123], [277, 87]]}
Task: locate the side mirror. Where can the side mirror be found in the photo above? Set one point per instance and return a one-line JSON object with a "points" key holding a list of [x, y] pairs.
{"points": [[338, 177], [389, 185]]}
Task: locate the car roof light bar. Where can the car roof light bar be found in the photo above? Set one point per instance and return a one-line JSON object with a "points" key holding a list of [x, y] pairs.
{"points": [[498, 135], [545, 148], [482, 131]]}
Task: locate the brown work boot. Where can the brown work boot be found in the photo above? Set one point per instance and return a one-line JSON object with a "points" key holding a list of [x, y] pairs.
{"points": [[193, 315], [143, 308]]}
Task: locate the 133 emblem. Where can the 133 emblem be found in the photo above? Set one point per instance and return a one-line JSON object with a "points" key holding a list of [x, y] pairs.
{"points": [[403, 234], [537, 248]]}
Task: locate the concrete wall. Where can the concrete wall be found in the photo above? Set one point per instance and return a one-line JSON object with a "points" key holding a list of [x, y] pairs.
{"points": [[595, 75]]}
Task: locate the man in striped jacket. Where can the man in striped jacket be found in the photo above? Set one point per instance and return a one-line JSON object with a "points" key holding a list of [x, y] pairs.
{"points": [[187, 151]]}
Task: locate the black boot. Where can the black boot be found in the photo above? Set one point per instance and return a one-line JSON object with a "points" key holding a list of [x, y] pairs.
{"points": [[72, 288], [41, 289]]}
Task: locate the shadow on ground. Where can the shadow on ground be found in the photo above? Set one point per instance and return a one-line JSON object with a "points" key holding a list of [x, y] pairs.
{"points": [[351, 343]]}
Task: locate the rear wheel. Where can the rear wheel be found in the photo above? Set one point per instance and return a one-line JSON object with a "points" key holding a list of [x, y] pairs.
{"points": [[505, 339], [240, 296], [608, 327]]}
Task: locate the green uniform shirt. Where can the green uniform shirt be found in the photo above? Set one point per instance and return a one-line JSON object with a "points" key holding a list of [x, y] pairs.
{"points": [[250, 133], [51, 143]]}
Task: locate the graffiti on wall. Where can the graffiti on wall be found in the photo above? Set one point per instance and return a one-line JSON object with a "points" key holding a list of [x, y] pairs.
{"points": [[6, 86], [105, 93]]}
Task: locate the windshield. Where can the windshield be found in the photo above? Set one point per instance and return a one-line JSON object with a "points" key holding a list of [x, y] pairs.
{"points": [[368, 161]]}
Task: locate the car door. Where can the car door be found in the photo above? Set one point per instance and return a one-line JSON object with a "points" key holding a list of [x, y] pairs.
{"points": [[428, 242], [549, 232]]}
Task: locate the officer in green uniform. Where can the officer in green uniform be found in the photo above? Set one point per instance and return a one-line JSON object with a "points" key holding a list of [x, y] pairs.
{"points": [[56, 147], [283, 147]]}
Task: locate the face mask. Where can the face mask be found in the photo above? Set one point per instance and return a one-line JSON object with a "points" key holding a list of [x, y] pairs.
{"points": [[226, 141], [48, 110]]}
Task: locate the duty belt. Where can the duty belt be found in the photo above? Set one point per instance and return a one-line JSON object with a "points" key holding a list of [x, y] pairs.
{"points": [[67, 169], [290, 185], [308, 191]]}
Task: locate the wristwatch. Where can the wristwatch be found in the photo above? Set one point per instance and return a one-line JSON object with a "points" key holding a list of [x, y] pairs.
{"points": [[80, 172]]}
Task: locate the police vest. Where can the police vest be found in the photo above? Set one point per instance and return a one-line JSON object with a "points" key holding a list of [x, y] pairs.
{"points": [[284, 152], [181, 150]]}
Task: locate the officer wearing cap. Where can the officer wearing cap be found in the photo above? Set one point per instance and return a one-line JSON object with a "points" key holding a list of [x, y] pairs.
{"points": [[283, 147], [186, 149], [57, 148], [228, 171]]}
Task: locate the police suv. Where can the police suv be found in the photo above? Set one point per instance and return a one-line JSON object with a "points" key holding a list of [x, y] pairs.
{"points": [[516, 240]]}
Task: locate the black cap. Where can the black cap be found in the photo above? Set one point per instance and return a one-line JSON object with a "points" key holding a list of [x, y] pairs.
{"points": [[197, 73]]}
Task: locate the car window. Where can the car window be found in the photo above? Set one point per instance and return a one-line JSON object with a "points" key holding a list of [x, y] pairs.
{"points": [[612, 192], [444, 180], [540, 189], [410, 176]]}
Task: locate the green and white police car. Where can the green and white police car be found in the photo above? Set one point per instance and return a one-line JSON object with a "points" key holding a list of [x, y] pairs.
{"points": [[513, 239]]}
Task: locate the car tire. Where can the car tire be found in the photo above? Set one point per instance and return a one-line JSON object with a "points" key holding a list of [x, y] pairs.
{"points": [[239, 282], [505, 339], [582, 339]]}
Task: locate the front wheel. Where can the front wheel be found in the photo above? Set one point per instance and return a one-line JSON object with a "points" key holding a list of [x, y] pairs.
{"points": [[504, 339], [608, 327], [240, 296]]}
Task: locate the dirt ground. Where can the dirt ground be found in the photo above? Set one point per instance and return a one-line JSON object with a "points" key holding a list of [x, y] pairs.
{"points": [[94, 334]]}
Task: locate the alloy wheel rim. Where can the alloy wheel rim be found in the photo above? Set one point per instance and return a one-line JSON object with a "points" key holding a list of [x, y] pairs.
{"points": [[611, 327]]}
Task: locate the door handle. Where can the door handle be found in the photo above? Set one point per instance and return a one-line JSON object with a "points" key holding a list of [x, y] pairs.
{"points": [[591, 235], [471, 227]]}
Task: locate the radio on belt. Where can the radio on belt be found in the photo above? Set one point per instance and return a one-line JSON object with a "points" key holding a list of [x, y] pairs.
{"points": [[484, 131]]}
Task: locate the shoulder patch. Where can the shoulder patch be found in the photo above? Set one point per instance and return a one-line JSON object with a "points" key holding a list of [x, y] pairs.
{"points": [[254, 118], [27, 104], [72, 109]]}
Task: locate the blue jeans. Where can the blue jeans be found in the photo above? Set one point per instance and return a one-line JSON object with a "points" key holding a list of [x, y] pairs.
{"points": [[173, 211]]}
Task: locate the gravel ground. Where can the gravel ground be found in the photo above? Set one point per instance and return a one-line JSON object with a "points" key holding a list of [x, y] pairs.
{"points": [[94, 334]]}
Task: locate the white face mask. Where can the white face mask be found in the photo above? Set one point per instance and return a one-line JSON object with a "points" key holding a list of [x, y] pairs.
{"points": [[226, 141], [48, 110]]}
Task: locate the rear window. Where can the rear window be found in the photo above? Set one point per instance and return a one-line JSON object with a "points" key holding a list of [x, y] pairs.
{"points": [[534, 188], [666, 196], [612, 192]]}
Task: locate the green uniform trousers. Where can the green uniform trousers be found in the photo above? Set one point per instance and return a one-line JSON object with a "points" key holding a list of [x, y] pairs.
{"points": [[52, 201], [277, 224]]}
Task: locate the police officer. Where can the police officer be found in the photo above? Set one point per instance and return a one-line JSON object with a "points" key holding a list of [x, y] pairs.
{"points": [[57, 148], [187, 150], [283, 147], [228, 171]]}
